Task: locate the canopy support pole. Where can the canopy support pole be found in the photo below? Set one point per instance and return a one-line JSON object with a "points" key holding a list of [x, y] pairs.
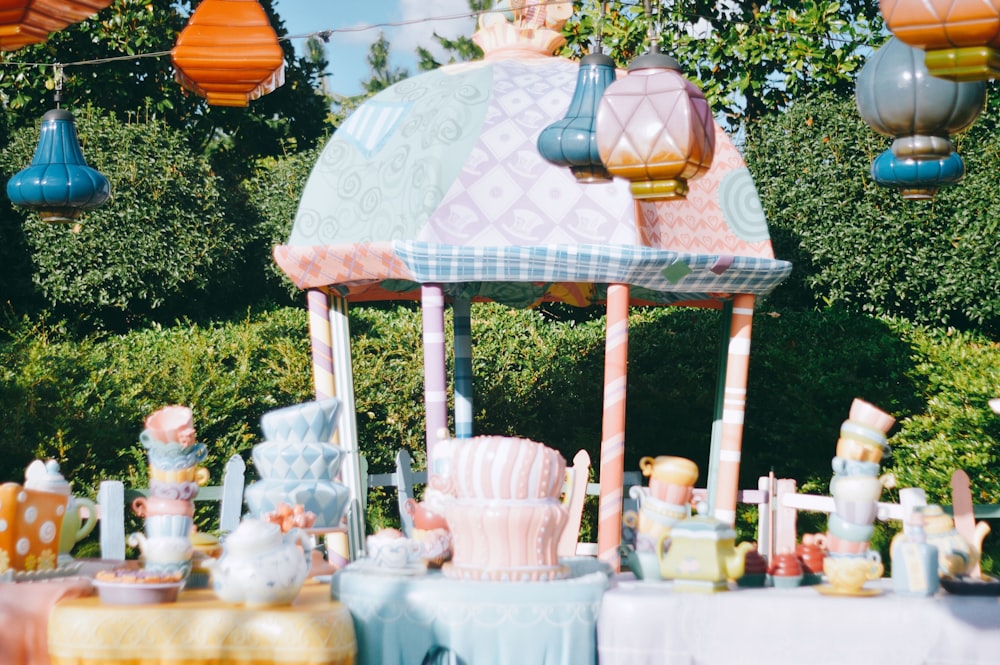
{"points": [[609, 521], [727, 438], [347, 428], [462, 313], [435, 381], [320, 343]]}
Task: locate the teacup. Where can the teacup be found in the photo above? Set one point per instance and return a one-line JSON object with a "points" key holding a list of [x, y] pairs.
{"points": [[162, 526], [148, 506], [851, 429], [189, 474], [854, 467], [163, 550], [671, 479], [853, 449], [836, 545], [389, 548], [172, 424], [847, 574], [856, 512], [845, 530], [855, 488], [868, 414]]}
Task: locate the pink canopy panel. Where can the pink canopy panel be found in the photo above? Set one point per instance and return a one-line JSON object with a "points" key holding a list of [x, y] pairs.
{"points": [[434, 189]]}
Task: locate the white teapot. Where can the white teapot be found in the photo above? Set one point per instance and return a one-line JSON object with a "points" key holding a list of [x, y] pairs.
{"points": [[260, 565]]}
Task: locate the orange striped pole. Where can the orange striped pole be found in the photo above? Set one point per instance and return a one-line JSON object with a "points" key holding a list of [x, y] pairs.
{"points": [[734, 403], [609, 519]]}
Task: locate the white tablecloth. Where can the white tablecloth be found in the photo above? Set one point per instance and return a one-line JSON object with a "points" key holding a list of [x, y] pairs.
{"points": [[646, 623]]}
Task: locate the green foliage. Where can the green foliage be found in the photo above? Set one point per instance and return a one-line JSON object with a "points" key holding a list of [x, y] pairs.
{"points": [[750, 59], [83, 402], [144, 85], [161, 248], [863, 247]]}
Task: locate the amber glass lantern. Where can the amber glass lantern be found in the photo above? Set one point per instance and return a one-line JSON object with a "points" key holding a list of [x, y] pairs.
{"points": [[655, 129], [229, 53], [898, 97], [26, 22], [961, 37]]}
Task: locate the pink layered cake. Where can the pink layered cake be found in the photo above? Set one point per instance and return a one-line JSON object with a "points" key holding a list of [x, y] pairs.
{"points": [[506, 515]]}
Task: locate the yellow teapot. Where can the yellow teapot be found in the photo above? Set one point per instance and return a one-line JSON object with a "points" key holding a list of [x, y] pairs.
{"points": [[700, 554], [956, 556]]}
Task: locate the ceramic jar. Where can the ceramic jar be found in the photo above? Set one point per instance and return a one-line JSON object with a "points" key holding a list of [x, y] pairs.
{"points": [[260, 565]]}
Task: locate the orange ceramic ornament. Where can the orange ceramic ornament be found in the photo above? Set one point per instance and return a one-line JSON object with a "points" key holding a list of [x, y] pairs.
{"points": [[25, 22], [30, 521], [961, 37], [229, 53]]}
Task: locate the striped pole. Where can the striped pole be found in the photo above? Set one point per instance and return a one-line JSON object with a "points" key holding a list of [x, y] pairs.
{"points": [[319, 339], [435, 391], [609, 520], [462, 312], [734, 409], [347, 429]]}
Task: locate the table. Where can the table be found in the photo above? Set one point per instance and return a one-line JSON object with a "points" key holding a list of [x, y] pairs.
{"points": [[24, 616], [399, 619], [642, 623], [199, 629]]}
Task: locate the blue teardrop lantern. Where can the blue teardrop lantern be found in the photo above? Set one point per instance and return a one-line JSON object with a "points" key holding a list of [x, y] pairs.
{"points": [[572, 141], [917, 179], [58, 184]]}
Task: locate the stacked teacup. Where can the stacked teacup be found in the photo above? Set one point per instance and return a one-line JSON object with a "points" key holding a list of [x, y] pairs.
{"points": [[298, 464], [662, 504], [856, 487], [174, 477]]}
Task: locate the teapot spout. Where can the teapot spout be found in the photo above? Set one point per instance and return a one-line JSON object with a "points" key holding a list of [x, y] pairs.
{"points": [[736, 564]]}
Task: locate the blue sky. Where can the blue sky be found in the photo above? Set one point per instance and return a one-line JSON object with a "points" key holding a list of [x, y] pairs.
{"points": [[357, 23]]}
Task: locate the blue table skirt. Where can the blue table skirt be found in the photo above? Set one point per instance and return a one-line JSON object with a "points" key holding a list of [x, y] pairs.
{"points": [[399, 619]]}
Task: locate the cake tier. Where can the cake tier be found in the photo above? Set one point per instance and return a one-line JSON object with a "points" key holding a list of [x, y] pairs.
{"points": [[505, 540], [325, 498], [501, 467]]}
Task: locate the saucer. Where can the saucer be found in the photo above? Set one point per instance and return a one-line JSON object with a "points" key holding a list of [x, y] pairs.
{"points": [[830, 590], [971, 586], [369, 566], [63, 570]]}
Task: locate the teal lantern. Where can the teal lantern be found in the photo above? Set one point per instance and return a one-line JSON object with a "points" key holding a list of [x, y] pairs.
{"points": [[572, 141], [58, 183], [917, 179]]}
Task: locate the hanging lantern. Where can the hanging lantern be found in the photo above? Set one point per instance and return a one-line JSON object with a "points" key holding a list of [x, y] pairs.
{"points": [[58, 184], [655, 128], [25, 22], [572, 141], [961, 37], [229, 53], [898, 97], [917, 179]]}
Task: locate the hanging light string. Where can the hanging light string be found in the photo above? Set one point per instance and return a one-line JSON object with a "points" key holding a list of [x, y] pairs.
{"points": [[326, 35]]}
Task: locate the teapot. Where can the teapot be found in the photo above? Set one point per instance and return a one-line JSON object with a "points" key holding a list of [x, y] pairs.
{"points": [[956, 556], [701, 555], [260, 565], [81, 513]]}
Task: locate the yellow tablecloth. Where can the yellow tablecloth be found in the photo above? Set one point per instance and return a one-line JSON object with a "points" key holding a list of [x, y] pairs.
{"points": [[199, 629]]}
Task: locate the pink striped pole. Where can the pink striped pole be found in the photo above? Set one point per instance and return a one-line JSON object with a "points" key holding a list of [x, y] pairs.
{"points": [[734, 408], [320, 339], [609, 519], [435, 385]]}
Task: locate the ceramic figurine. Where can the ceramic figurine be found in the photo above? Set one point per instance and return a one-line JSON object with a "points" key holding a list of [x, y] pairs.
{"points": [[703, 555], [786, 571], [914, 561], [754, 570], [260, 565], [956, 556], [810, 554]]}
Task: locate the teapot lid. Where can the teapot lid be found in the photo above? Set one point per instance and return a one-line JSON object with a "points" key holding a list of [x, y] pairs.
{"points": [[254, 535], [45, 477]]}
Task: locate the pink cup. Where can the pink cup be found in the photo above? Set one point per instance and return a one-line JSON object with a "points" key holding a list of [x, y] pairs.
{"points": [[149, 506], [835, 545], [172, 424]]}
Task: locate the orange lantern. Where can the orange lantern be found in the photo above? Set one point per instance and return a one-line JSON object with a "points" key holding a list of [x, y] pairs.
{"points": [[229, 53], [25, 22], [961, 37]]}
